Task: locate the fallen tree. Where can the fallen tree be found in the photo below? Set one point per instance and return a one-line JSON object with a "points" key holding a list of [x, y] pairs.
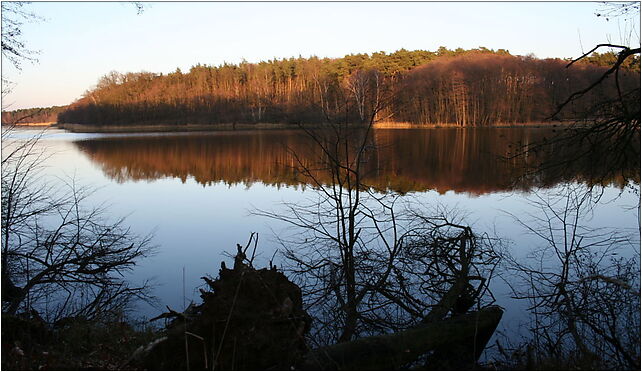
{"points": [[253, 319], [466, 335]]}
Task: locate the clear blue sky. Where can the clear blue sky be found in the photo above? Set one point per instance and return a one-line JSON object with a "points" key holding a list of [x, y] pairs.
{"points": [[80, 42]]}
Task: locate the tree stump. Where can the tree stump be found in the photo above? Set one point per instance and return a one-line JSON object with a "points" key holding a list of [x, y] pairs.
{"points": [[249, 320]]}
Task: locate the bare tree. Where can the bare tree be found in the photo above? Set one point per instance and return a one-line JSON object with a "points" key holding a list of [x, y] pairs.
{"points": [[406, 267], [608, 132], [584, 295], [613, 125], [336, 221], [59, 257], [367, 264], [13, 47]]}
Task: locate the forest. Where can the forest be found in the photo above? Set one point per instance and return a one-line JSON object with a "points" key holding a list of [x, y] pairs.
{"points": [[32, 115], [477, 87]]}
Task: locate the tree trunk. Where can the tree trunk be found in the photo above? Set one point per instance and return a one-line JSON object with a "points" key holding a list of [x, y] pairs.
{"points": [[469, 333]]}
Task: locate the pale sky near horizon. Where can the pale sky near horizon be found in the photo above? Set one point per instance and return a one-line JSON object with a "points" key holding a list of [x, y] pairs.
{"points": [[80, 42]]}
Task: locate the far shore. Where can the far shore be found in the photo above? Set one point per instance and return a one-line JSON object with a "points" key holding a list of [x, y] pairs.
{"points": [[136, 128], [398, 125], [44, 124]]}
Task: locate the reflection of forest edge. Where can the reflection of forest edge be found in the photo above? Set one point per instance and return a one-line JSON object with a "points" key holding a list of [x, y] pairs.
{"points": [[461, 160]]}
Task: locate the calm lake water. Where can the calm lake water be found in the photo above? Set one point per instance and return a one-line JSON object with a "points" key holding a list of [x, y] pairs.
{"points": [[197, 191]]}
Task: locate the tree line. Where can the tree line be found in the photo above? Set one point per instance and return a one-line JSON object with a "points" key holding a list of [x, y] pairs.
{"points": [[32, 115], [483, 89], [475, 87]]}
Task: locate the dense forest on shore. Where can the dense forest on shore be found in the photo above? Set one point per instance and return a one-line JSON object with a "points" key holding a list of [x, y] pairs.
{"points": [[475, 87], [32, 115]]}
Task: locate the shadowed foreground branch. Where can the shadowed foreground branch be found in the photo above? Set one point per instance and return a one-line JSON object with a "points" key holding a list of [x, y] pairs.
{"points": [[59, 257], [469, 333]]}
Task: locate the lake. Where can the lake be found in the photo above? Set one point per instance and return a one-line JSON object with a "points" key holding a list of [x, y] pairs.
{"points": [[197, 191]]}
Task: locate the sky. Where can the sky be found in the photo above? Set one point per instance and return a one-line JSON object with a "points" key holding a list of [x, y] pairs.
{"points": [[78, 42]]}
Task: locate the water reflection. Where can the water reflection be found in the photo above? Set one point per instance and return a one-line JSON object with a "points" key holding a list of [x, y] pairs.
{"points": [[475, 161], [195, 224]]}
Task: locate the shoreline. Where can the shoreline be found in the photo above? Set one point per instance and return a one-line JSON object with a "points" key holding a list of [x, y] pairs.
{"points": [[163, 128], [405, 125], [43, 124]]}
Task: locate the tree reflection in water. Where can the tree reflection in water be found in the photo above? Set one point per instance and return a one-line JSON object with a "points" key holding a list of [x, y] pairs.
{"points": [[475, 161]]}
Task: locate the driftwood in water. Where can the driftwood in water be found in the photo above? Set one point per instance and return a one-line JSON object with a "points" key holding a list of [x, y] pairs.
{"points": [[393, 351]]}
